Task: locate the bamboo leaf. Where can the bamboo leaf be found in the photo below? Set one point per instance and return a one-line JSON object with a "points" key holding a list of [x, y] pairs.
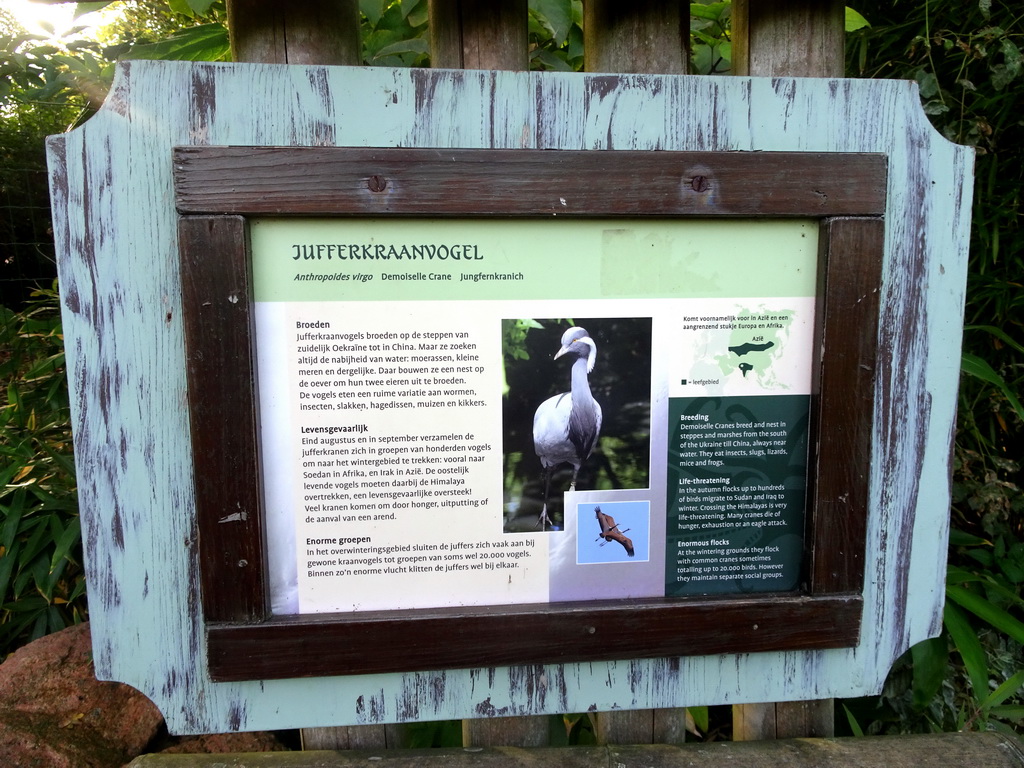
{"points": [[699, 717], [969, 648], [63, 461], [956, 575], [1009, 688], [855, 21], [37, 541], [931, 659], [12, 520], [961, 539], [1008, 711], [854, 725], [54, 619], [7, 563], [977, 367], [39, 627], [70, 538], [999, 333], [986, 611], [40, 577], [994, 588]]}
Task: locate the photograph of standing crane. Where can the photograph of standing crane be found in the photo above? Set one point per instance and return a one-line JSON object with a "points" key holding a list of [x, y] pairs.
{"points": [[576, 413]]}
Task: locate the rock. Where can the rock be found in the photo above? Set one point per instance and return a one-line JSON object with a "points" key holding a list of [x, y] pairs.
{"points": [[53, 711], [35, 741]]}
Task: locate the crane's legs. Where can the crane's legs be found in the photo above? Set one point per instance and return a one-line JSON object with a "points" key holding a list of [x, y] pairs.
{"points": [[544, 521], [575, 471]]}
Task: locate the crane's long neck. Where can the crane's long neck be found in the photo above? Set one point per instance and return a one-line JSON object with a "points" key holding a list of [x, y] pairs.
{"points": [[580, 381], [584, 417]]}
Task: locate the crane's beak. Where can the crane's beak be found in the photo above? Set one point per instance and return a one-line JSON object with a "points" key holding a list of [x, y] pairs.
{"points": [[560, 352]]}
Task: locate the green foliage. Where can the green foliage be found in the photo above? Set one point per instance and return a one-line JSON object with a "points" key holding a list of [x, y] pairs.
{"points": [[855, 21], [513, 343], [966, 60], [175, 30], [971, 676], [205, 42], [25, 254], [395, 32], [143, 22], [192, 8], [983, 592], [710, 38], [42, 588], [75, 70], [438, 733], [556, 35], [33, 69]]}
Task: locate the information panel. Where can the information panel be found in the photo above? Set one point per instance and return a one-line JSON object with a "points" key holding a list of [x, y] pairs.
{"points": [[491, 412]]}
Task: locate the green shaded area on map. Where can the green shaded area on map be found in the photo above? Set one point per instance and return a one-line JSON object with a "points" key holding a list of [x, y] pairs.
{"points": [[754, 342]]}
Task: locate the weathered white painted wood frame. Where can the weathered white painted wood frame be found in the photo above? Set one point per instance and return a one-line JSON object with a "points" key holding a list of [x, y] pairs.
{"points": [[115, 227]]}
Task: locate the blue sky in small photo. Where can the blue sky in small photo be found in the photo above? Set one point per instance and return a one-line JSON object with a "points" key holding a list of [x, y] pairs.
{"points": [[633, 519]]}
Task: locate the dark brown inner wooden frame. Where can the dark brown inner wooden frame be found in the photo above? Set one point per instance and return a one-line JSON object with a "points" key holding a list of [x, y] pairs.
{"points": [[217, 188]]}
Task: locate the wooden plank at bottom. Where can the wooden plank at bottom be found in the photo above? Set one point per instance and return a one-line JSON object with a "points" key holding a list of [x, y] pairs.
{"points": [[805, 719], [753, 722], [669, 725], [625, 727], [506, 732], [785, 720], [940, 750], [346, 737], [641, 726]]}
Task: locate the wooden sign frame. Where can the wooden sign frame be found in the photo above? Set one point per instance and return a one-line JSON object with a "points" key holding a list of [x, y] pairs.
{"points": [[218, 188]]}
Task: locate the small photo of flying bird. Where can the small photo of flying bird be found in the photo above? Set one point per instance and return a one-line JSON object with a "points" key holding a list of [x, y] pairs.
{"points": [[610, 531], [613, 532]]}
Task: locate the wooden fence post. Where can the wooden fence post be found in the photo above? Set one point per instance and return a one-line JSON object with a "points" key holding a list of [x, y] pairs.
{"points": [[310, 32], [787, 38], [650, 36], [644, 36], [479, 34]]}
